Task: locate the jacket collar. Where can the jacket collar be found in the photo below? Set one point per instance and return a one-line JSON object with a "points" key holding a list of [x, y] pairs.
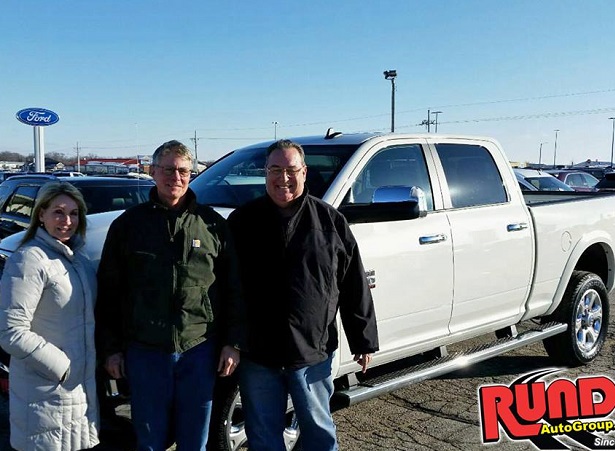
{"points": [[300, 205], [191, 203], [300, 202], [75, 243]]}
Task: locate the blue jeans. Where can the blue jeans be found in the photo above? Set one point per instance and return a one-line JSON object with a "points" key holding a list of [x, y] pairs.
{"points": [[264, 394], [171, 395]]}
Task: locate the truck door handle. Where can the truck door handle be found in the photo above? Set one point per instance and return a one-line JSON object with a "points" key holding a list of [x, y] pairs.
{"points": [[432, 239], [516, 227]]}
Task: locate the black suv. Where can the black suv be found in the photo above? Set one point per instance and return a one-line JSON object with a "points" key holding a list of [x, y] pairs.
{"points": [[18, 193]]}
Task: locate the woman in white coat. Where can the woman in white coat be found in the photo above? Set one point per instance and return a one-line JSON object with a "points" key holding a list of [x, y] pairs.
{"points": [[47, 326]]}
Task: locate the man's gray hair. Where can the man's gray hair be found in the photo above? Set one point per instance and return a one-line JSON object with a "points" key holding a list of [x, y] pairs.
{"points": [[172, 147]]}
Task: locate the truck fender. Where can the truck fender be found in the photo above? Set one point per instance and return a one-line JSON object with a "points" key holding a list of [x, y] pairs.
{"points": [[587, 240]]}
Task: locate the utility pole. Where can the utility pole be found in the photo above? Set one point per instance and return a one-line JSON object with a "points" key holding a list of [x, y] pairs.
{"points": [[555, 147], [196, 158], [78, 158], [540, 155], [612, 140], [428, 121]]}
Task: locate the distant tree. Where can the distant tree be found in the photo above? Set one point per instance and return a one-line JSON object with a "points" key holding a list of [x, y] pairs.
{"points": [[12, 156], [59, 156]]}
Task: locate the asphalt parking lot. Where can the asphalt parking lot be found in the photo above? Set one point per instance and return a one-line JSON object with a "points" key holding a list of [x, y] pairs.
{"points": [[442, 414], [436, 415]]}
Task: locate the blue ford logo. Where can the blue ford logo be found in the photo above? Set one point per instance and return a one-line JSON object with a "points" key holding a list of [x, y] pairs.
{"points": [[37, 116]]}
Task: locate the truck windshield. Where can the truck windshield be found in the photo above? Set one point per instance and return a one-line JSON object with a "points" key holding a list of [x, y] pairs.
{"points": [[240, 176]]}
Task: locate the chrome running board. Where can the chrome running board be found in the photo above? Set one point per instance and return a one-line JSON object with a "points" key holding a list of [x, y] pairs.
{"points": [[384, 384]]}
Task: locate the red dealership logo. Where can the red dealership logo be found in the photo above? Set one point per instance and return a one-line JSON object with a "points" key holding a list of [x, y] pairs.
{"points": [[545, 413]]}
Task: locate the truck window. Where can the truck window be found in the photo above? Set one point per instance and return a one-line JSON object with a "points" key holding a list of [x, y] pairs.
{"points": [[394, 166], [472, 175]]}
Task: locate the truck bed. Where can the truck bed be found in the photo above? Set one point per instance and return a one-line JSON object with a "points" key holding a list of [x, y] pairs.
{"points": [[548, 197]]}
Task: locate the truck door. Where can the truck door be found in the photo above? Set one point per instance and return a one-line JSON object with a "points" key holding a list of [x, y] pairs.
{"points": [[409, 261], [492, 239]]}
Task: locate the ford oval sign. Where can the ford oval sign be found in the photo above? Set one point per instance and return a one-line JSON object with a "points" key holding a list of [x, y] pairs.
{"points": [[37, 116]]}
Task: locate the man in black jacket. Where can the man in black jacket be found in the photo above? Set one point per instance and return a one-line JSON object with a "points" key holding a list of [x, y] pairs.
{"points": [[299, 264]]}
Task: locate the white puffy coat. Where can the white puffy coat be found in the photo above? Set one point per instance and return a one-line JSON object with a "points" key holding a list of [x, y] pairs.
{"points": [[47, 295]]}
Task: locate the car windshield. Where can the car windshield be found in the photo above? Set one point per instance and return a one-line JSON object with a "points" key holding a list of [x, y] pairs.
{"points": [[548, 184], [240, 176], [101, 198]]}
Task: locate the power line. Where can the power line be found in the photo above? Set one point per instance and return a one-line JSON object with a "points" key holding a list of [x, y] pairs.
{"points": [[535, 116], [421, 109], [359, 118], [461, 121]]}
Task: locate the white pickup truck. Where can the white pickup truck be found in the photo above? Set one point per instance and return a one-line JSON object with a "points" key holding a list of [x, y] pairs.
{"points": [[452, 250]]}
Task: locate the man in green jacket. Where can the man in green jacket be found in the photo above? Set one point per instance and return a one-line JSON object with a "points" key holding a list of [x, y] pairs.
{"points": [[169, 311]]}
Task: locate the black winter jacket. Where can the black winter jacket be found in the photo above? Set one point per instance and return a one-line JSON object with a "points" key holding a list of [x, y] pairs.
{"points": [[295, 275]]}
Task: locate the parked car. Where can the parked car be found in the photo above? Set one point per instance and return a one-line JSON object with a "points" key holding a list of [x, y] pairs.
{"points": [[67, 174], [607, 183], [577, 180], [8, 174], [597, 171], [537, 180], [18, 193]]}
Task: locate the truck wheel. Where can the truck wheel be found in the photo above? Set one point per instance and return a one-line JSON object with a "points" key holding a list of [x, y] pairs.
{"points": [[227, 426], [585, 309]]}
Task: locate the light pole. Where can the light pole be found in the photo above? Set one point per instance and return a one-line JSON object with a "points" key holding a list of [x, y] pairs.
{"points": [[612, 140], [390, 75], [275, 130], [436, 120], [540, 154], [555, 147]]}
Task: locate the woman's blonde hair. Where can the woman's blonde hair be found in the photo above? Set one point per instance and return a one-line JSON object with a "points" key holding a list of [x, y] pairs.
{"points": [[46, 194]]}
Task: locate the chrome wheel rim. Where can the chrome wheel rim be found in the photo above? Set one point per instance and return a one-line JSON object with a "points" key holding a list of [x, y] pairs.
{"points": [[588, 322]]}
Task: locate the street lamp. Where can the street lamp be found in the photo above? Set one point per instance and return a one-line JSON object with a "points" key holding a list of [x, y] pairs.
{"points": [[612, 140], [555, 148], [275, 130], [436, 120], [540, 155], [390, 75]]}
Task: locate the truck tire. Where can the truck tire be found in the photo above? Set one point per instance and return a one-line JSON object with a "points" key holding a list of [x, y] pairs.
{"points": [[227, 426], [585, 309]]}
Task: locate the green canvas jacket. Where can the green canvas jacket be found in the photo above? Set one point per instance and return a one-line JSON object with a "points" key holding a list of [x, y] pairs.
{"points": [[168, 280]]}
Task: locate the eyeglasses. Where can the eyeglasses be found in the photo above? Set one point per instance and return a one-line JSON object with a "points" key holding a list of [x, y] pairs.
{"points": [[290, 172], [170, 170]]}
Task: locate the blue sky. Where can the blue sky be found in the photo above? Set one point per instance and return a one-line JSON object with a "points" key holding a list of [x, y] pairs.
{"points": [[125, 76]]}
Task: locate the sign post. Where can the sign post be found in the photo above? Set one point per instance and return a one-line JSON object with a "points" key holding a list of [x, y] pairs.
{"points": [[38, 118]]}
